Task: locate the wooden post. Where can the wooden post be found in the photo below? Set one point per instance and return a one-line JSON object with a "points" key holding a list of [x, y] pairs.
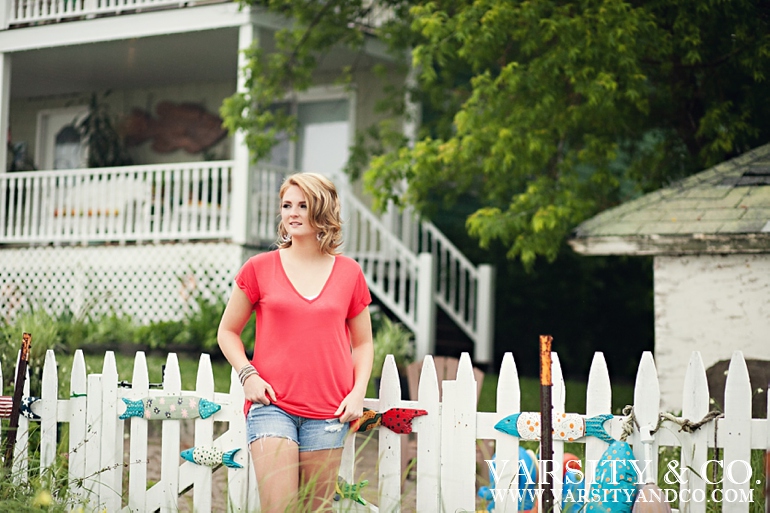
{"points": [[546, 421], [21, 376]]}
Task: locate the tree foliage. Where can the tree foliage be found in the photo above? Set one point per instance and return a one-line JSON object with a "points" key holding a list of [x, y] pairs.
{"points": [[545, 111]]}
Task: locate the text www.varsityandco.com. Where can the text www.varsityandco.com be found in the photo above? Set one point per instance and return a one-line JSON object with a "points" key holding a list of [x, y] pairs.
{"points": [[736, 472]]}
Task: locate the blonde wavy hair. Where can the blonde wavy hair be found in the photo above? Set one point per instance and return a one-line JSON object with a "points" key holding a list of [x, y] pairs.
{"points": [[323, 206]]}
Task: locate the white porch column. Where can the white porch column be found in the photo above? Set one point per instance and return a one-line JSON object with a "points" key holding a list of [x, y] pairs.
{"points": [[485, 315], [425, 338], [5, 14], [5, 107], [242, 180], [409, 223]]}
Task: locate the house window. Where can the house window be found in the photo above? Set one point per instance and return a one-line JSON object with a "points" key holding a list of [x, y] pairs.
{"points": [[323, 137]]}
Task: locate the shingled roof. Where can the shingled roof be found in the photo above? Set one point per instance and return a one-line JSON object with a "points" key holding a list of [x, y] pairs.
{"points": [[725, 209]]}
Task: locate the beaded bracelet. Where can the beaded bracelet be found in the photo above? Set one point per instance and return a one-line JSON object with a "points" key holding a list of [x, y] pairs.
{"points": [[246, 371]]}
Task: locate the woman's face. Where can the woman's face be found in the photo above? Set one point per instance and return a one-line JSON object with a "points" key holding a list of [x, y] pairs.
{"points": [[294, 213]]}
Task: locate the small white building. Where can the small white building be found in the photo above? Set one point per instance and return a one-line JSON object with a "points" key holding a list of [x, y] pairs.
{"points": [[145, 239], [710, 238]]}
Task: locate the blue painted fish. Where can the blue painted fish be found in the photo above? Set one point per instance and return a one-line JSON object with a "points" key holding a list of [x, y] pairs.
{"points": [[211, 456], [527, 482], [614, 487], [170, 407], [566, 426]]}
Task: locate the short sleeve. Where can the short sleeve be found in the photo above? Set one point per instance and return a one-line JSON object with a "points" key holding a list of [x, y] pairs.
{"points": [[361, 298], [246, 279]]}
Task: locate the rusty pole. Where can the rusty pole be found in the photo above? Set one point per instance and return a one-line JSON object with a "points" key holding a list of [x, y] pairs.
{"points": [[21, 377], [546, 420]]}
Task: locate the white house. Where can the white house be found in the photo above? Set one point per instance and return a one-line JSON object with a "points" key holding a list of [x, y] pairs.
{"points": [[710, 238], [180, 219]]}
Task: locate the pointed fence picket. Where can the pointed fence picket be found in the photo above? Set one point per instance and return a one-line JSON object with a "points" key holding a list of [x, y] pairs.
{"points": [[646, 405], [695, 405], [598, 401], [508, 403], [137, 475], [428, 464], [446, 437], [737, 427]]}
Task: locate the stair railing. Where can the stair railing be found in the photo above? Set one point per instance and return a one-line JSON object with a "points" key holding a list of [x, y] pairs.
{"points": [[463, 290], [400, 278]]}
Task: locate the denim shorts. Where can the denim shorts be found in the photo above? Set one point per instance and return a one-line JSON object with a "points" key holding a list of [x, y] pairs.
{"points": [[309, 434]]}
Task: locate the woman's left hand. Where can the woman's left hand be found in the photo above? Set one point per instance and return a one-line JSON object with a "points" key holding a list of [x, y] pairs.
{"points": [[351, 408]]}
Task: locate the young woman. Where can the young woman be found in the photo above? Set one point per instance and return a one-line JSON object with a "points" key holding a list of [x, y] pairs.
{"points": [[313, 350]]}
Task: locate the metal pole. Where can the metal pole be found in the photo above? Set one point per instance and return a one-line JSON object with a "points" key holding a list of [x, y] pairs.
{"points": [[546, 420], [21, 377]]}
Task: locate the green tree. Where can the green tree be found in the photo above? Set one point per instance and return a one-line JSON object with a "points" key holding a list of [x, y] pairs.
{"points": [[545, 112]]}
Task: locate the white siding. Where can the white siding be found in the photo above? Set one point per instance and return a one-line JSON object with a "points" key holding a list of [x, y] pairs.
{"points": [[714, 304]]}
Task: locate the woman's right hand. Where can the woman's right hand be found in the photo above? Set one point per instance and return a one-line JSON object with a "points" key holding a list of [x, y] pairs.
{"points": [[257, 390]]}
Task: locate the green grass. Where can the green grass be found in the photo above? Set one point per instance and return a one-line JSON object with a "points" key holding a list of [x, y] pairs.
{"points": [[575, 401]]}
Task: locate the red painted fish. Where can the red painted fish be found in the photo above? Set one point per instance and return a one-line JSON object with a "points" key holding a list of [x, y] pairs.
{"points": [[398, 420]]}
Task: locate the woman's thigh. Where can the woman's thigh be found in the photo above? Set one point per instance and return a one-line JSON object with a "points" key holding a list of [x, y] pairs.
{"points": [[275, 453], [317, 435]]}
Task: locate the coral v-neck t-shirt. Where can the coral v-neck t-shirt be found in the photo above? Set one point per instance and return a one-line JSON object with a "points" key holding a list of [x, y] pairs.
{"points": [[302, 346]]}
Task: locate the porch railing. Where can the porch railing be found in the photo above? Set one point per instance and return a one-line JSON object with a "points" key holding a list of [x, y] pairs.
{"points": [[187, 201], [263, 203], [35, 11]]}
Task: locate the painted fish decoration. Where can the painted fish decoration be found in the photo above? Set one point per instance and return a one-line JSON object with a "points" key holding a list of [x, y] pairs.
{"points": [[527, 481], [614, 489], [345, 490], [170, 407], [25, 408], [572, 492], [398, 420], [211, 456], [566, 426]]}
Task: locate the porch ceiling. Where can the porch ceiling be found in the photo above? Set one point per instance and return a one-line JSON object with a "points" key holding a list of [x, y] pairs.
{"points": [[202, 56]]}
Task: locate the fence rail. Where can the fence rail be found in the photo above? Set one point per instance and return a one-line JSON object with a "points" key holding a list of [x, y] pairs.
{"points": [[446, 437]]}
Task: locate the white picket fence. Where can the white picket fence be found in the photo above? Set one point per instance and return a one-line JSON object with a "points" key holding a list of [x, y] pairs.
{"points": [[447, 436]]}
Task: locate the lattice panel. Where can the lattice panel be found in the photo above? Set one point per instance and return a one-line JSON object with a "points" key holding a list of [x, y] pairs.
{"points": [[149, 282]]}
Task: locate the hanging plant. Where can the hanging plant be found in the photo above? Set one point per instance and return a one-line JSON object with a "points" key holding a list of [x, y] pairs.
{"points": [[98, 130]]}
